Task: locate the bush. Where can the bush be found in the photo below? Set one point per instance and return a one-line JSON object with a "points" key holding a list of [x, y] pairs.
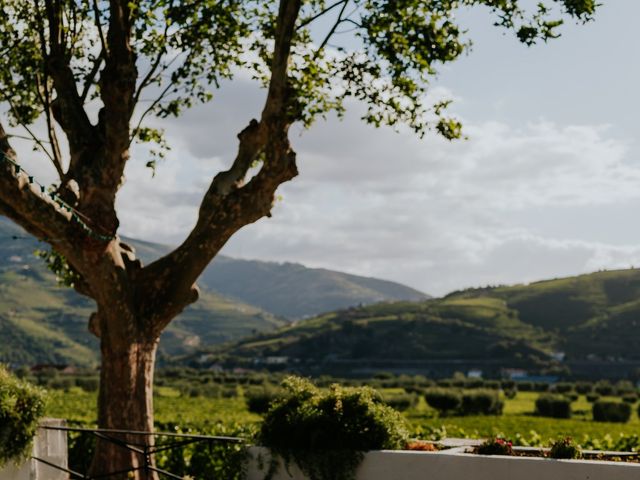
{"points": [[563, 387], [510, 393], [495, 446], [89, 384], [508, 385], [623, 387], [611, 411], [525, 386], [492, 384], [571, 396], [481, 402], [592, 397], [326, 431], [259, 401], [540, 387], [630, 398], [555, 406], [565, 448], [442, 399], [603, 388], [21, 407], [584, 388], [400, 402]]}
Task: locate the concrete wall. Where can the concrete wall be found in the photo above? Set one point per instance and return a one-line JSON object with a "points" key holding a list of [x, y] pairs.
{"points": [[456, 465], [50, 445]]}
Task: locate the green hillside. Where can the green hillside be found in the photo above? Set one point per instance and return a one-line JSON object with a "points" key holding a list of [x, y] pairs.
{"points": [[41, 322], [594, 317]]}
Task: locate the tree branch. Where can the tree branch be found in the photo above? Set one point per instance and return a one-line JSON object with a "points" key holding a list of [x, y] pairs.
{"points": [[229, 204], [36, 213]]}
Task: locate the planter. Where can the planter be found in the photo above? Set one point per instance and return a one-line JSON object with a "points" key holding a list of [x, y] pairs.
{"points": [[49, 445], [457, 464]]}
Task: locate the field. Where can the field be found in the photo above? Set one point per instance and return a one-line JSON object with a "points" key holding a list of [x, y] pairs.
{"points": [[227, 415]]}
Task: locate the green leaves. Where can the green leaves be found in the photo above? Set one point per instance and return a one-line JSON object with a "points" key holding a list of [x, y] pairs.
{"points": [[384, 53], [326, 431], [21, 407]]}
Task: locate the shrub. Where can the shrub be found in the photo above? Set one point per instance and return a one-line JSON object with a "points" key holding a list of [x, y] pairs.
{"points": [[492, 384], [565, 448], [510, 393], [326, 431], [571, 396], [593, 397], [540, 387], [21, 407], [630, 398], [495, 446], [481, 402], [525, 386], [442, 399], [400, 402], [508, 384], [603, 388], [584, 388], [260, 400], [611, 411], [555, 406], [623, 387], [563, 387], [89, 384]]}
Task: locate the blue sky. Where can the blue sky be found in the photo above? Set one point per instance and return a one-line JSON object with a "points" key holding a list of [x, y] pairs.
{"points": [[547, 185]]}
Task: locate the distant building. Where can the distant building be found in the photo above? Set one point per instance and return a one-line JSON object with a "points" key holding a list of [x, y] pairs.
{"points": [[43, 367], [475, 373]]}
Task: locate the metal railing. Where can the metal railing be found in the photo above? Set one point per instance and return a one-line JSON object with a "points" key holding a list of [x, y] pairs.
{"points": [[176, 440]]}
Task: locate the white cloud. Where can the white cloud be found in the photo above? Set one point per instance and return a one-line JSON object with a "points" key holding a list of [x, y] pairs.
{"points": [[430, 213]]}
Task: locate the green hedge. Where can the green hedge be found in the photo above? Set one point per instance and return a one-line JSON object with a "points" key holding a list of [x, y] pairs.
{"points": [[326, 431], [444, 400], [481, 402], [611, 411], [555, 406], [21, 407]]}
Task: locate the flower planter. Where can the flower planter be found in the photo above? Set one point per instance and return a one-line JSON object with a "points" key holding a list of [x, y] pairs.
{"points": [[49, 445], [457, 464]]}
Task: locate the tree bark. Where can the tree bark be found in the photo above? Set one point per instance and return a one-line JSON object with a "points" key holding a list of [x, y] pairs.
{"points": [[125, 402]]}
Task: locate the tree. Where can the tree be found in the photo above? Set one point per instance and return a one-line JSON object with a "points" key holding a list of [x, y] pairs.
{"points": [[77, 69]]}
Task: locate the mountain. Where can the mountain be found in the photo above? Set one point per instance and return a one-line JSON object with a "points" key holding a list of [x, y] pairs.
{"points": [[294, 291], [579, 322], [41, 322]]}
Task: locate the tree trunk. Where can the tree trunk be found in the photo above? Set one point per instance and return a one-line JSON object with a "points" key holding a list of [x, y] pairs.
{"points": [[125, 402]]}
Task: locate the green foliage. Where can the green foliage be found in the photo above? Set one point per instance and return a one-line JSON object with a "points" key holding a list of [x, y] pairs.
{"points": [[611, 411], [326, 431], [584, 388], [563, 387], [401, 45], [565, 448], [260, 400], [630, 398], [21, 407], [400, 402], [444, 400], [481, 402], [65, 274], [556, 406], [495, 446], [604, 388], [510, 393], [592, 397]]}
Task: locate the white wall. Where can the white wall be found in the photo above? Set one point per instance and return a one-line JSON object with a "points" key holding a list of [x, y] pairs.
{"points": [[455, 465], [50, 445]]}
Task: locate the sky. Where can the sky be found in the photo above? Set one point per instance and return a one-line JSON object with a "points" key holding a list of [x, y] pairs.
{"points": [[547, 184]]}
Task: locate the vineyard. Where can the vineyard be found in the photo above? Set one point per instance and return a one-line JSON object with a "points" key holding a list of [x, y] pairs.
{"points": [[225, 411]]}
